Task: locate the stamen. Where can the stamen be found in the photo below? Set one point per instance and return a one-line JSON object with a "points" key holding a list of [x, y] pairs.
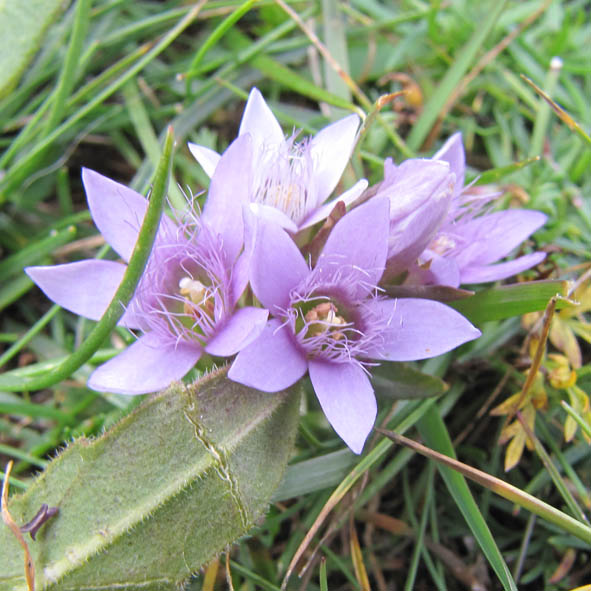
{"points": [[323, 318], [285, 179], [192, 259], [193, 289], [442, 244]]}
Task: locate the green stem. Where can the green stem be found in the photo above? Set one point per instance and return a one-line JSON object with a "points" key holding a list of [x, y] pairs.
{"points": [[124, 293]]}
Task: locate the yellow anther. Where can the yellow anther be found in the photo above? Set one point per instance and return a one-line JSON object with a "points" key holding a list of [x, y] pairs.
{"points": [[325, 318], [193, 289], [442, 244]]}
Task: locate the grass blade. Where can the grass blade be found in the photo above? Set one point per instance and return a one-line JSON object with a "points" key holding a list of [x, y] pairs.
{"points": [[464, 57], [502, 488], [434, 432]]}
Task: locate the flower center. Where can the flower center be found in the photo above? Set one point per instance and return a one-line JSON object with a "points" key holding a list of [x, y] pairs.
{"points": [[442, 244], [198, 304], [285, 178], [286, 197], [325, 318], [323, 328]]}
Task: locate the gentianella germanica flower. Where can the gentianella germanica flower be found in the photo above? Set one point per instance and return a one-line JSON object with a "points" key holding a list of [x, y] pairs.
{"points": [[473, 239], [292, 178], [332, 322], [420, 194], [185, 302]]}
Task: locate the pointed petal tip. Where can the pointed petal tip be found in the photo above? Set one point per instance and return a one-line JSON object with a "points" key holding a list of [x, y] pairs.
{"points": [[347, 398], [206, 157], [116, 210], [361, 239], [255, 93], [331, 149], [259, 120]]}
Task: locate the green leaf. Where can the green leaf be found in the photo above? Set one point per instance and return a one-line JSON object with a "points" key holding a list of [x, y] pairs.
{"points": [[498, 303], [22, 28], [315, 474], [435, 435], [496, 174], [160, 494], [401, 381]]}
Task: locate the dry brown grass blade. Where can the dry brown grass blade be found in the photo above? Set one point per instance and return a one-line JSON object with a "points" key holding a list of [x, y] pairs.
{"points": [[500, 487], [332, 502], [545, 329], [467, 574], [484, 61], [9, 521], [322, 49], [564, 567], [552, 471], [229, 572], [560, 112], [537, 360], [211, 573], [357, 557]]}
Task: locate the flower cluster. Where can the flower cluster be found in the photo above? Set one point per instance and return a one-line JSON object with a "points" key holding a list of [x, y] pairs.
{"points": [[325, 315]]}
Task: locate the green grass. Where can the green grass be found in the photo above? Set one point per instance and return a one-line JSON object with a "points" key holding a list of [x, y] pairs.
{"points": [[108, 79]]}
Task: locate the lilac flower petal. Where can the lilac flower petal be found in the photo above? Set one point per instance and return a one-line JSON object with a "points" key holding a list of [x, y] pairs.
{"points": [[245, 325], [274, 215], [331, 149], [359, 240], [258, 120], [433, 269], [482, 274], [322, 212], [453, 153], [410, 236], [84, 287], [493, 236], [229, 190], [347, 399], [145, 366], [207, 157], [277, 266], [117, 211], [270, 363], [417, 329], [414, 183]]}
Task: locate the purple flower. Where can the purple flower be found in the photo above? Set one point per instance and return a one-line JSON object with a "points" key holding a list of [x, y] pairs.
{"points": [[420, 192], [470, 243], [291, 180], [331, 320], [184, 303]]}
